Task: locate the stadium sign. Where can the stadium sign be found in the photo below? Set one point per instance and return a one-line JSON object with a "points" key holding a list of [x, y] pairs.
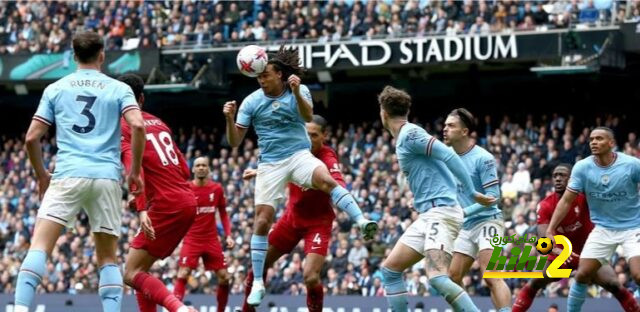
{"points": [[522, 258], [411, 51]]}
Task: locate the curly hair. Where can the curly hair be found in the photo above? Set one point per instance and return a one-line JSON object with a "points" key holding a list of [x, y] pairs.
{"points": [[394, 101], [286, 61]]}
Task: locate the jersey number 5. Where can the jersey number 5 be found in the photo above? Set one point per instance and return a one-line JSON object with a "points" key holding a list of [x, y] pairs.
{"points": [[168, 152]]}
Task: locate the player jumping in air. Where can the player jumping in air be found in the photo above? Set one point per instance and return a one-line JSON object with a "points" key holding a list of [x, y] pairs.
{"points": [[430, 167], [85, 107], [309, 217], [278, 112]]}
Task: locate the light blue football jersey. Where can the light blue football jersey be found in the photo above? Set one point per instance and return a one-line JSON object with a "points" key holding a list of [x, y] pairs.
{"points": [[280, 128], [612, 191], [481, 166], [430, 166], [86, 107]]}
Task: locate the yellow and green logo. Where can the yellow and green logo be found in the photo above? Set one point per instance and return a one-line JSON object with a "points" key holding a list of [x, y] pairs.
{"points": [[521, 264]]}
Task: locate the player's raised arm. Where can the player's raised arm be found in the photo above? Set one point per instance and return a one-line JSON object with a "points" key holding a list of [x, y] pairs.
{"points": [[303, 98], [235, 131]]}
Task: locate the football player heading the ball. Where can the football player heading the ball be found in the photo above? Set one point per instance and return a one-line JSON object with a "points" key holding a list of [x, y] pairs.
{"points": [[278, 112]]}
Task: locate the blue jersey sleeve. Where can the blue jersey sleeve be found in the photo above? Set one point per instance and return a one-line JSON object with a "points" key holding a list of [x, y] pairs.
{"points": [[488, 172], [438, 150], [635, 170], [306, 94], [45, 112], [245, 112], [577, 180], [126, 99]]}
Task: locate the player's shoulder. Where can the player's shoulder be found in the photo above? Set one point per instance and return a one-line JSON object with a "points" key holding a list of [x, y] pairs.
{"points": [[412, 131], [214, 185], [583, 164], [624, 158], [254, 98], [548, 203], [327, 151]]}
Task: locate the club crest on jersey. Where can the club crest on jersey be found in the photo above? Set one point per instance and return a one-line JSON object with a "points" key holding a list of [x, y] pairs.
{"points": [[275, 105], [605, 180], [211, 197]]}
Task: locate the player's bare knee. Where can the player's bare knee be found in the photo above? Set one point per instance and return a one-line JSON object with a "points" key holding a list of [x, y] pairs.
{"points": [[456, 276], [311, 279], [223, 277], [636, 277], [262, 224], [184, 272], [583, 277], [129, 274]]}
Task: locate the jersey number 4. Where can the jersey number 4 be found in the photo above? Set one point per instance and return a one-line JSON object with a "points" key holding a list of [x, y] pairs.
{"points": [[166, 151]]}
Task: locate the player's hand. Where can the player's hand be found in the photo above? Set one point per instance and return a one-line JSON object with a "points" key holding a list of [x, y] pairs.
{"points": [[135, 184], [484, 199], [249, 174], [43, 184], [550, 234], [229, 109], [230, 242], [294, 83], [147, 227]]}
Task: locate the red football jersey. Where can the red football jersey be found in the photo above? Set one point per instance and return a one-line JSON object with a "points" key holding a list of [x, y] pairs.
{"points": [[312, 207], [164, 171], [576, 226], [210, 198]]}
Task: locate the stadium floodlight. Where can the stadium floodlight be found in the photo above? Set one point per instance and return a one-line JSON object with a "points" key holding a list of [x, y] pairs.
{"points": [[563, 70]]}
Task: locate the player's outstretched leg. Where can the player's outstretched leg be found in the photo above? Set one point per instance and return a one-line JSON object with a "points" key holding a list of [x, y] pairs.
{"points": [[606, 277], [138, 263], [259, 246], [578, 290], [222, 294], [45, 235], [437, 264], [528, 293], [340, 197]]}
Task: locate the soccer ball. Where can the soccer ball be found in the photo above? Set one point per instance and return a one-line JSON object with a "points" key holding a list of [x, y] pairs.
{"points": [[544, 245], [252, 60]]}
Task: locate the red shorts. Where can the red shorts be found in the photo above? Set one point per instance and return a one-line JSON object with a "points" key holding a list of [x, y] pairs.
{"points": [[285, 237], [170, 228], [210, 251]]}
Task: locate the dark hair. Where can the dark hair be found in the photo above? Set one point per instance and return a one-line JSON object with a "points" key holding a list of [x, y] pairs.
{"points": [[394, 101], [466, 118], [286, 61], [87, 46], [606, 129], [565, 165], [320, 121], [135, 82]]}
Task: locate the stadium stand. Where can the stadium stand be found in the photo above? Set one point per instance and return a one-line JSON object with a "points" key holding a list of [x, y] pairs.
{"points": [[526, 152], [46, 27]]}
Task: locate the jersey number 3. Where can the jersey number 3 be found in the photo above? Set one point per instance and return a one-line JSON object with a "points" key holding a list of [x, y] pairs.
{"points": [[166, 151], [86, 111]]}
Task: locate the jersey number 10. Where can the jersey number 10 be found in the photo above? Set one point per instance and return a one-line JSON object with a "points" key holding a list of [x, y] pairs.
{"points": [[166, 150]]}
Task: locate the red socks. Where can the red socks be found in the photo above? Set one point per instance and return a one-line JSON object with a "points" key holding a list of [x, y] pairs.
{"points": [[248, 283], [525, 299], [145, 304], [154, 290], [179, 288], [222, 296], [315, 298], [628, 303]]}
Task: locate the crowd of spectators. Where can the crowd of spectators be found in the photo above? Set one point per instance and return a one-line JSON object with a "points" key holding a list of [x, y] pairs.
{"points": [[526, 153], [40, 26]]}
